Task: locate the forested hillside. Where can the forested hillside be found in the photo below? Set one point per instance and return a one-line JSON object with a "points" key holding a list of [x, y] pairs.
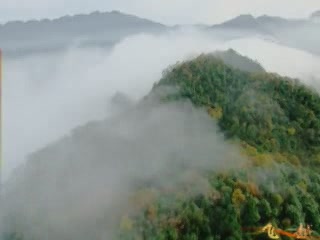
{"points": [[275, 120], [275, 115], [167, 173]]}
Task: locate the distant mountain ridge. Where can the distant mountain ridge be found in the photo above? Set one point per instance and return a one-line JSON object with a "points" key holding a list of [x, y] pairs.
{"points": [[94, 28], [302, 34], [81, 22], [105, 29], [315, 16]]}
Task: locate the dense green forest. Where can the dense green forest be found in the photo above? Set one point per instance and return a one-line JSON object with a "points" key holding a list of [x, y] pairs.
{"points": [[270, 114], [275, 120]]}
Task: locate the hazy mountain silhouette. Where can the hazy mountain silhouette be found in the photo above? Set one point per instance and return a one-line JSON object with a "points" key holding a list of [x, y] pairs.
{"points": [[96, 28], [315, 16], [303, 34], [104, 29]]}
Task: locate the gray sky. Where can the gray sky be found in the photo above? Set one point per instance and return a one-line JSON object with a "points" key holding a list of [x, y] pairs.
{"points": [[165, 11]]}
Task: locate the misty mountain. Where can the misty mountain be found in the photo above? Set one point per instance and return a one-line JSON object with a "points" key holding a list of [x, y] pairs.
{"points": [[120, 102], [106, 29], [303, 34], [315, 15], [238, 61], [134, 147], [79, 186], [95, 29]]}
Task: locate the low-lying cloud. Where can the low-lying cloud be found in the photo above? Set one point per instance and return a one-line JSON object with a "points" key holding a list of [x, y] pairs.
{"points": [[45, 96], [70, 189], [79, 187]]}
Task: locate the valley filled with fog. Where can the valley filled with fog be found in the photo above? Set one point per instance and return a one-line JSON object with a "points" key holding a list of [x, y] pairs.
{"points": [[85, 127], [49, 94]]}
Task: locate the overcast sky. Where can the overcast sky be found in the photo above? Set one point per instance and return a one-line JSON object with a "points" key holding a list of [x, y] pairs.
{"points": [[165, 11]]}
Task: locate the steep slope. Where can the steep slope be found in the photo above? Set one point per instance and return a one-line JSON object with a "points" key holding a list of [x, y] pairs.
{"points": [[238, 61], [276, 121], [165, 167], [270, 112], [78, 187]]}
